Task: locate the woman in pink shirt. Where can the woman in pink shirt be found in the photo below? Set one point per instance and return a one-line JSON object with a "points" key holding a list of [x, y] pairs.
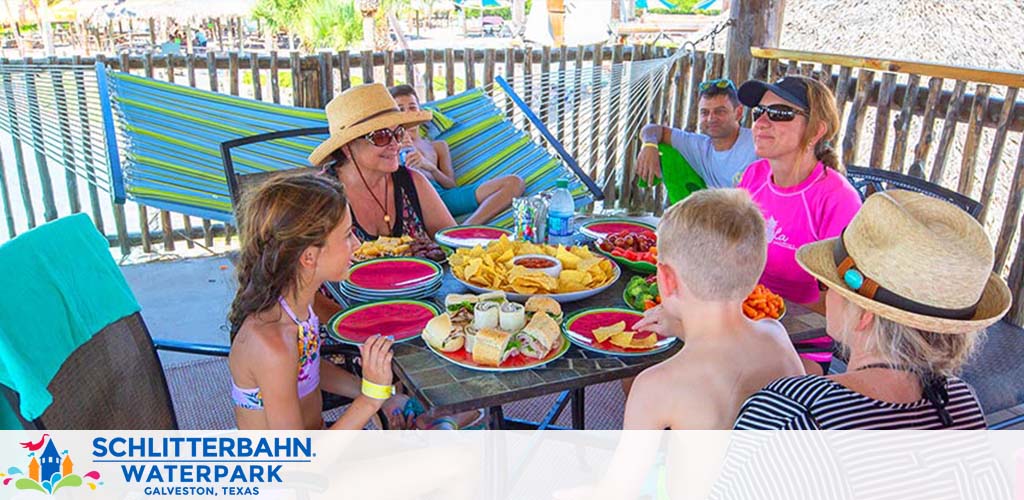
{"points": [[799, 184]]}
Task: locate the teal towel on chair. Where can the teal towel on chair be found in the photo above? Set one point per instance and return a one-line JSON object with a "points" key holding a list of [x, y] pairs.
{"points": [[60, 287]]}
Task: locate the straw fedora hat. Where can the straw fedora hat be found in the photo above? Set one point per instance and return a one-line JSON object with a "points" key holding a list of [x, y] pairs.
{"points": [[359, 111], [915, 260]]}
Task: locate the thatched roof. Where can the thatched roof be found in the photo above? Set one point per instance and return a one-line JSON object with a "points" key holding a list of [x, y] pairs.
{"points": [[984, 34]]}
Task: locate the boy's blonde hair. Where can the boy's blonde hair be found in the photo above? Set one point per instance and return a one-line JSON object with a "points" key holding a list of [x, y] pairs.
{"points": [[715, 240]]}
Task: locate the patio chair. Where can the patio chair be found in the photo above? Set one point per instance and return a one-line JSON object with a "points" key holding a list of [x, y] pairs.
{"points": [[98, 367], [872, 180]]}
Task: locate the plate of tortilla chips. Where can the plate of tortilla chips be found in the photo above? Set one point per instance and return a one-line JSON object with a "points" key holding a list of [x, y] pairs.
{"points": [[490, 268], [609, 330]]}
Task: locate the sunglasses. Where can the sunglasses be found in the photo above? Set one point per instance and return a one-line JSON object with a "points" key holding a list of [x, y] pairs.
{"points": [[384, 136], [777, 112], [722, 83]]}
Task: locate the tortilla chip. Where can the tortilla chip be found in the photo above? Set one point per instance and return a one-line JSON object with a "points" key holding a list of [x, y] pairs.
{"points": [[567, 258], [623, 339], [605, 332], [644, 343]]}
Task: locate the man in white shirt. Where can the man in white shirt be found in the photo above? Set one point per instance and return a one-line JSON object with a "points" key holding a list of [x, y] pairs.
{"points": [[719, 154]]}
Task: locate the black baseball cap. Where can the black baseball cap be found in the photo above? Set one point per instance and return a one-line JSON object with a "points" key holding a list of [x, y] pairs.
{"points": [[789, 88]]}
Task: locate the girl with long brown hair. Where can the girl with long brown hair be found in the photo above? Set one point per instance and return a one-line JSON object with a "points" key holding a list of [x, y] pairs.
{"points": [[296, 233]]}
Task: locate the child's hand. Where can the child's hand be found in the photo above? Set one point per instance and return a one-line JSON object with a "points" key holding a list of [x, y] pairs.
{"points": [[658, 321], [376, 359]]}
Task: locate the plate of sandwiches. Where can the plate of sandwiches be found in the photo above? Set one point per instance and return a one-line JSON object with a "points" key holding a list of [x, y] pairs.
{"points": [[609, 330], [487, 332]]}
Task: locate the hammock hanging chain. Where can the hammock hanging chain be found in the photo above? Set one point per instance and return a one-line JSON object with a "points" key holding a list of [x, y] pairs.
{"points": [[690, 46]]}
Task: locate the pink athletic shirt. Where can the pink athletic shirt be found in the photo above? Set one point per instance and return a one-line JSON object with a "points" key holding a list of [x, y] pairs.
{"points": [[816, 209]]}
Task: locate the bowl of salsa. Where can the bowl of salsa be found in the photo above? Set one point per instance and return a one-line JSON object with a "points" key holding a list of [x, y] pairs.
{"points": [[539, 262]]}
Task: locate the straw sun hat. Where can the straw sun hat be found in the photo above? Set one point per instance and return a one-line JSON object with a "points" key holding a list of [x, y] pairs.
{"points": [[359, 111], [915, 260]]}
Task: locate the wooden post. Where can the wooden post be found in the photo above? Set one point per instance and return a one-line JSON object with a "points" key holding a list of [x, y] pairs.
{"points": [[254, 68], [885, 95], [326, 77], [389, 69], [275, 81], [1011, 214], [489, 56], [545, 86], [596, 63], [87, 151], [344, 70], [616, 140], [469, 64], [297, 83], [756, 23], [19, 158], [449, 71], [68, 150], [527, 85], [152, 34], [902, 125], [190, 70], [410, 68], [366, 62], [510, 73], [5, 199], [428, 75], [165, 216], [855, 120], [948, 130], [36, 129], [843, 87], [924, 143], [697, 62], [995, 159], [974, 127]]}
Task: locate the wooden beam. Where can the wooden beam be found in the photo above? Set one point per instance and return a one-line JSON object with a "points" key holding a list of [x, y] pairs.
{"points": [[756, 23], [1005, 78]]}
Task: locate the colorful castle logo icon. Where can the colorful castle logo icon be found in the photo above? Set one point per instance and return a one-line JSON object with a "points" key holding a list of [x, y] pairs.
{"points": [[49, 471]]}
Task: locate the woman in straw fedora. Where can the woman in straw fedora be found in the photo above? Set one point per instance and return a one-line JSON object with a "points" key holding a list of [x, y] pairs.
{"points": [[910, 289], [385, 199], [367, 129], [799, 185]]}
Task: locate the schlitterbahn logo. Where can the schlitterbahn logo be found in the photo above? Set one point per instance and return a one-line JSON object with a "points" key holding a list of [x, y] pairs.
{"points": [[48, 470]]}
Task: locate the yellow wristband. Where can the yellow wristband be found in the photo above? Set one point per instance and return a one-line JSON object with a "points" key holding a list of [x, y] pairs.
{"points": [[375, 391], [651, 145]]}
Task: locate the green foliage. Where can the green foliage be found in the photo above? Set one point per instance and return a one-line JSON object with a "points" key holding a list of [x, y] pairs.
{"points": [[321, 24]]}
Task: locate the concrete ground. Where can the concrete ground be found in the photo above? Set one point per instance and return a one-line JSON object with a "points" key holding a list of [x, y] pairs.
{"points": [[184, 300]]}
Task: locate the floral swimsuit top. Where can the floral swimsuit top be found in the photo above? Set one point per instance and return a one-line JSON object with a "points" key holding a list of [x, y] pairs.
{"points": [[309, 362]]}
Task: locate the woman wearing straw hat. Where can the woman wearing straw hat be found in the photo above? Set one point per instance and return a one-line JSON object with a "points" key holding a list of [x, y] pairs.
{"points": [[910, 289], [799, 185], [367, 128]]}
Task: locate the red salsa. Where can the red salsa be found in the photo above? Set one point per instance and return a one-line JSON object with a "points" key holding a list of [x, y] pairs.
{"points": [[535, 263]]}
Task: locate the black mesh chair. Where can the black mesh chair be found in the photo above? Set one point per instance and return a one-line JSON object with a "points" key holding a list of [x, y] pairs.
{"points": [[113, 381], [872, 180]]}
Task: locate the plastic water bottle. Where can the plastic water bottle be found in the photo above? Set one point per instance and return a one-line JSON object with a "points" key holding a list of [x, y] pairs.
{"points": [[560, 214]]}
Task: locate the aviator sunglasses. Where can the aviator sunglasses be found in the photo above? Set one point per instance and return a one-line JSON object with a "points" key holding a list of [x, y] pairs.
{"points": [[777, 112], [383, 137], [722, 83]]}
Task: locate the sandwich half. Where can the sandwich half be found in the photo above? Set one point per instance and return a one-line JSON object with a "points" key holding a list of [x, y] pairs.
{"points": [[460, 307], [440, 334], [539, 337], [492, 346], [546, 305]]}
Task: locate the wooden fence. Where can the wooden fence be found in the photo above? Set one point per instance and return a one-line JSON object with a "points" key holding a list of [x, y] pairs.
{"points": [[890, 112]]}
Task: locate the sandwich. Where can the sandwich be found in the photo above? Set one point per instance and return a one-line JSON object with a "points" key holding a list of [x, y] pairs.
{"points": [[460, 307], [539, 336], [546, 305], [440, 334], [493, 346], [497, 297]]}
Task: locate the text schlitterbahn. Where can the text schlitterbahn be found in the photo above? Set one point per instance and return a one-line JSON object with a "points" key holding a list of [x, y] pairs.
{"points": [[195, 465]]}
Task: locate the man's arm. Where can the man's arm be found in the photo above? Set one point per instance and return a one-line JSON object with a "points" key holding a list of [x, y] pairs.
{"points": [[655, 134]]}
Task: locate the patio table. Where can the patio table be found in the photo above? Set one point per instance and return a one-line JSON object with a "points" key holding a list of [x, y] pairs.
{"points": [[445, 387]]}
